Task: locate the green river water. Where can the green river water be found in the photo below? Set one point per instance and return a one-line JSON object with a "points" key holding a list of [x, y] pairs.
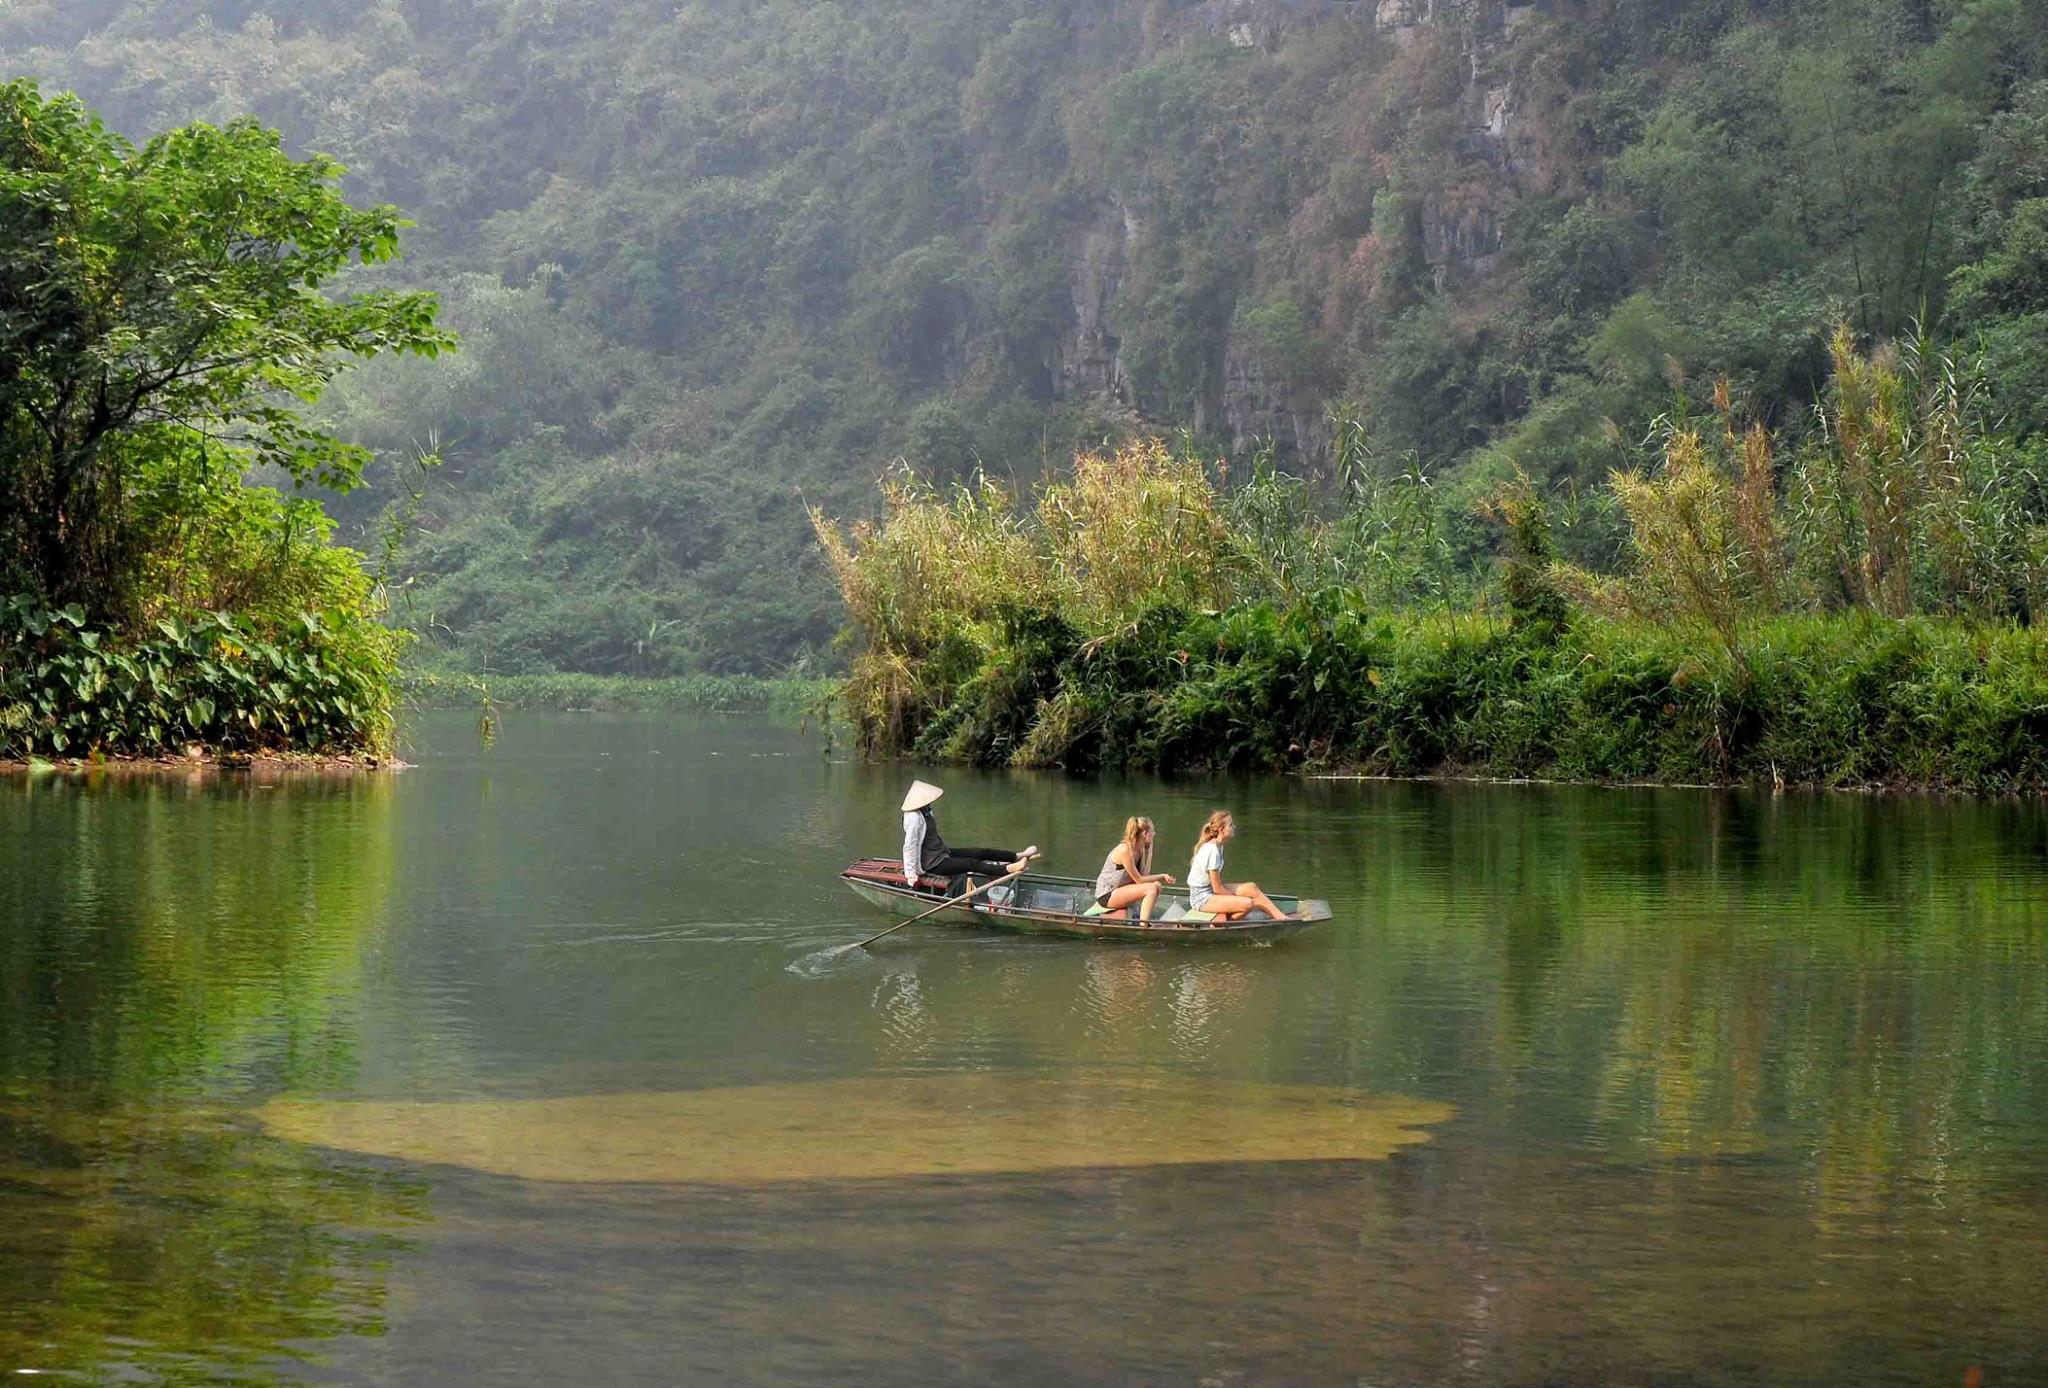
{"points": [[534, 1064]]}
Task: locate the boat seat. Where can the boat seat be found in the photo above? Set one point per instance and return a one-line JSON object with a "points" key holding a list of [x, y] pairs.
{"points": [[1095, 911], [1199, 916]]}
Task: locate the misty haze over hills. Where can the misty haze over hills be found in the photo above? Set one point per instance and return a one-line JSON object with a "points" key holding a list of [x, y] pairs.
{"points": [[709, 257]]}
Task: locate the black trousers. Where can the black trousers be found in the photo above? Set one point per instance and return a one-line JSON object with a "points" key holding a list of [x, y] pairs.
{"points": [[982, 862]]}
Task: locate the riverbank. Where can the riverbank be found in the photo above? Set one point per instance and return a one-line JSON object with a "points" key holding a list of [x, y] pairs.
{"points": [[266, 766], [1839, 701], [584, 693], [1132, 614]]}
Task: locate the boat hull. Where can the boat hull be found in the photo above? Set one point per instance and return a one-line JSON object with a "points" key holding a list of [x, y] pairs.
{"points": [[1018, 916]]}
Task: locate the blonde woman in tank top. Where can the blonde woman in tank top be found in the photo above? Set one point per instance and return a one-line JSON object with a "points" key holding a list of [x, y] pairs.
{"points": [[1127, 877]]}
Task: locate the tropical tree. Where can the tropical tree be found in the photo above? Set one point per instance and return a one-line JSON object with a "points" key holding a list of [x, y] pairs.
{"points": [[161, 326]]}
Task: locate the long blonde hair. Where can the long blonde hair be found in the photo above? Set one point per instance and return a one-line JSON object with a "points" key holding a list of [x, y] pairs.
{"points": [[1135, 862], [1213, 827]]}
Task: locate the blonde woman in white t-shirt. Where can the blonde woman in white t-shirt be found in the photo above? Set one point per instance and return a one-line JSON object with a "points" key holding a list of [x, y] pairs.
{"points": [[1207, 891]]}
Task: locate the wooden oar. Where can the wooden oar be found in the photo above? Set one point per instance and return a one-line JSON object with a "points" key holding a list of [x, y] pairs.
{"points": [[993, 882]]}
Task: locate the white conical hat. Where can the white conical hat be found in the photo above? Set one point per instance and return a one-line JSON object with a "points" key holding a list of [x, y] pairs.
{"points": [[922, 793]]}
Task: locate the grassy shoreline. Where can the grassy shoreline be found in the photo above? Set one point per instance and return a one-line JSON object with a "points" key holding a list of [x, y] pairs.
{"points": [[1868, 610], [258, 766], [586, 693], [1836, 701]]}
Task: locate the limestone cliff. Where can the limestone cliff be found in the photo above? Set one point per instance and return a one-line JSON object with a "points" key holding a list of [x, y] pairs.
{"points": [[1500, 151]]}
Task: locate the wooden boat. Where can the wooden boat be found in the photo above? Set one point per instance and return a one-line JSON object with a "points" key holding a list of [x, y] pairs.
{"points": [[1042, 904]]}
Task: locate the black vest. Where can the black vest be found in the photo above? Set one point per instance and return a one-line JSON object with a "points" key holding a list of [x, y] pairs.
{"points": [[934, 846]]}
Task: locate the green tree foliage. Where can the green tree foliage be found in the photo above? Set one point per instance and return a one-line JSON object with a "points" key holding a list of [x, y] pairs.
{"points": [[161, 319], [1999, 296], [161, 331], [726, 256]]}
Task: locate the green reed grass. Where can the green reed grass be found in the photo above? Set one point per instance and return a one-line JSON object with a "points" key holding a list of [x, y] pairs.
{"points": [[1853, 610]]}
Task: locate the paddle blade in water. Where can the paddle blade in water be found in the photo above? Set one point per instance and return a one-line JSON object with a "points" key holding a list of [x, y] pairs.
{"points": [[819, 963]]}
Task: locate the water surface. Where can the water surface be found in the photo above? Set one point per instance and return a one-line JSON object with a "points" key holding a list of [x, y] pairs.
{"points": [[499, 1071]]}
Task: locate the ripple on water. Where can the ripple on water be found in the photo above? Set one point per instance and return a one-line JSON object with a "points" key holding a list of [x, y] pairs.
{"points": [[871, 1128]]}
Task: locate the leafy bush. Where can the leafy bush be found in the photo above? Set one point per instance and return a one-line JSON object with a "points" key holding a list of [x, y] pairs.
{"points": [[307, 685], [1125, 624]]}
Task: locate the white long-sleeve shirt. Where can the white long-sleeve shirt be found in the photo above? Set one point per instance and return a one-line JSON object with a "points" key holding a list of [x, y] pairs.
{"points": [[913, 845]]}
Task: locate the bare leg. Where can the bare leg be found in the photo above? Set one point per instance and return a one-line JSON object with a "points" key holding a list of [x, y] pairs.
{"points": [[1145, 894], [1226, 906], [1258, 899]]}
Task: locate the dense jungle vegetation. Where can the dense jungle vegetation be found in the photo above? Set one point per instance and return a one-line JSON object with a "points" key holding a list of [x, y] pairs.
{"points": [[1862, 611], [161, 323], [712, 260]]}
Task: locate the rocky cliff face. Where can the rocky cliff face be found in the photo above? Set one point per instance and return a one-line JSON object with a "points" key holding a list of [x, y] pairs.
{"points": [[1098, 253], [1257, 408], [1502, 152]]}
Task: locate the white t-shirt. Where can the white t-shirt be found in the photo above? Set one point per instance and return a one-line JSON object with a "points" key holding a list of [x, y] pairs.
{"points": [[1208, 858]]}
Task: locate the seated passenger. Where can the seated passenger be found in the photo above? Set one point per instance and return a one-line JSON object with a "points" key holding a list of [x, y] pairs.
{"points": [[1127, 875], [925, 852], [1207, 891]]}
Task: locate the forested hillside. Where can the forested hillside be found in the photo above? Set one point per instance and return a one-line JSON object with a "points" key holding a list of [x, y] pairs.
{"points": [[711, 259]]}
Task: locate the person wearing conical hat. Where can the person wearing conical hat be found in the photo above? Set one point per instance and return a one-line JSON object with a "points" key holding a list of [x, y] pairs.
{"points": [[923, 847]]}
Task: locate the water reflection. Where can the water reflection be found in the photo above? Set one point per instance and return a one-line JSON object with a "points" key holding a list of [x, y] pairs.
{"points": [[166, 944], [189, 935], [1732, 1088], [907, 1025], [144, 1246]]}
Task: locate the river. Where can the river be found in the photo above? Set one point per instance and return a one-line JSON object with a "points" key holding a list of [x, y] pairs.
{"points": [[535, 1064]]}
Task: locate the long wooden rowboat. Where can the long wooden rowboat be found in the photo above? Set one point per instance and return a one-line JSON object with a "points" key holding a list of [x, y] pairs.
{"points": [[1041, 904]]}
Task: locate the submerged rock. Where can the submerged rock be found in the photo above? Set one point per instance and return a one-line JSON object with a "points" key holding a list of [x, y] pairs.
{"points": [[871, 1128]]}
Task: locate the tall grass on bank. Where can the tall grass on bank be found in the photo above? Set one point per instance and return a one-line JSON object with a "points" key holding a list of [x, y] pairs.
{"points": [[1855, 608], [1901, 498]]}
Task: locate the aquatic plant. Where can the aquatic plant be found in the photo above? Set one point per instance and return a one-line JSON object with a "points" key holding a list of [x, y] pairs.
{"points": [[312, 684], [1908, 499], [1137, 525]]}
